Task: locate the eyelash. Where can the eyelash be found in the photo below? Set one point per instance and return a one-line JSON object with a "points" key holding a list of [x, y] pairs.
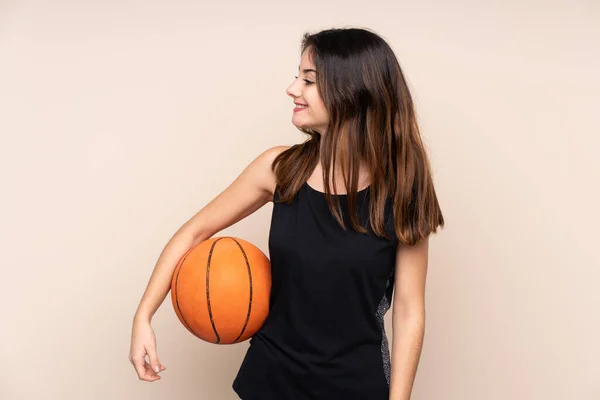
{"points": [[306, 81]]}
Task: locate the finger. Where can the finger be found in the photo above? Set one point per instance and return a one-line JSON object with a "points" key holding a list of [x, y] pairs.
{"points": [[155, 364], [150, 374], [138, 364], [143, 371]]}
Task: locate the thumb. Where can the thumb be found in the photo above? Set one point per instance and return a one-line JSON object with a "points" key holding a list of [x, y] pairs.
{"points": [[153, 358]]}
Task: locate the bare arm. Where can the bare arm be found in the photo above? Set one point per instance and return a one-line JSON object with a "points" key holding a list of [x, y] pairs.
{"points": [[252, 189], [408, 318]]}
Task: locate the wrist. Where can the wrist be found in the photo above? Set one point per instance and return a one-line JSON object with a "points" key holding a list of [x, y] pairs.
{"points": [[142, 317]]}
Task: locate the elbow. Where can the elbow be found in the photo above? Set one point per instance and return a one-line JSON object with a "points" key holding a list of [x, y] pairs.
{"points": [[191, 236], [408, 322], [413, 311]]}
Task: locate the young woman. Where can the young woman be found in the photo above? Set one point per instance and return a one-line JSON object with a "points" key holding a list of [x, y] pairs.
{"points": [[353, 208]]}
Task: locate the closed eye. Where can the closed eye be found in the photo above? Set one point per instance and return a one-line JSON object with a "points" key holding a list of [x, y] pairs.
{"points": [[306, 81]]}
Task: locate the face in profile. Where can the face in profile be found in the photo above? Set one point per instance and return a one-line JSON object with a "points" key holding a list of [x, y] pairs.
{"points": [[309, 110]]}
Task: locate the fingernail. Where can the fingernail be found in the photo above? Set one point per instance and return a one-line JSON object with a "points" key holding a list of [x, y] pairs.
{"points": [[157, 368]]}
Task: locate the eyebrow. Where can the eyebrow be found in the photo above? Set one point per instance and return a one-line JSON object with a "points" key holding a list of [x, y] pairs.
{"points": [[307, 70]]}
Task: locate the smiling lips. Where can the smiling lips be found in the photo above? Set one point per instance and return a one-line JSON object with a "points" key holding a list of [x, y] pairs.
{"points": [[299, 107]]}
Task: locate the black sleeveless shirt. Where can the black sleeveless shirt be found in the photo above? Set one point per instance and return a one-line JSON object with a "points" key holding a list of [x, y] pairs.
{"points": [[324, 337]]}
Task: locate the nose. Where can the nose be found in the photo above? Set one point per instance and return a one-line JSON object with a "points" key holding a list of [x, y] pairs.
{"points": [[293, 90]]}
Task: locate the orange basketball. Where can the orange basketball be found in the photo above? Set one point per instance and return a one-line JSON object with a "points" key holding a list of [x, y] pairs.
{"points": [[220, 290]]}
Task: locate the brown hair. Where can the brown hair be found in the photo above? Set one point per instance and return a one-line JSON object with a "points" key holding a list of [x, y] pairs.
{"points": [[371, 119]]}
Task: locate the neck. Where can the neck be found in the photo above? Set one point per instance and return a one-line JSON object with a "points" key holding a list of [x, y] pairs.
{"points": [[363, 175]]}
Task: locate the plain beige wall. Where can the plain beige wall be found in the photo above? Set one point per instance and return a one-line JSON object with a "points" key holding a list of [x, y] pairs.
{"points": [[119, 120]]}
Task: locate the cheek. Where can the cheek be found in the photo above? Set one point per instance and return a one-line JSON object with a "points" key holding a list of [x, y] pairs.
{"points": [[322, 111], [312, 97], [319, 107]]}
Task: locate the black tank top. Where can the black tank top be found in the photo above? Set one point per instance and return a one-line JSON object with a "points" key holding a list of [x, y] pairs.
{"points": [[324, 337]]}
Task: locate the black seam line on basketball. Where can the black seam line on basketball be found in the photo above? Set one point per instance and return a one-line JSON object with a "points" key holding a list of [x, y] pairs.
{"points": [[182, 263], [250, 280], [212, 322]]}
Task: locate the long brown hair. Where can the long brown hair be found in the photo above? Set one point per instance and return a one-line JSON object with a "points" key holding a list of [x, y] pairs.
{"points": [[371, 119]]}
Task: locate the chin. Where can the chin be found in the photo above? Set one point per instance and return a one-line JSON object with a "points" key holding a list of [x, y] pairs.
{"points": [[308, 126], [301, 125]]}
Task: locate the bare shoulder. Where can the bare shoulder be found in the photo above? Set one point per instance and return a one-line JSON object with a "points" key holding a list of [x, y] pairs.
{"points": [[264, 161], [272, 152]]}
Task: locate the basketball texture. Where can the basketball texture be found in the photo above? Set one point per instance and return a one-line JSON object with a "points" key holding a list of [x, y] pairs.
{"points": [[220, 290]]}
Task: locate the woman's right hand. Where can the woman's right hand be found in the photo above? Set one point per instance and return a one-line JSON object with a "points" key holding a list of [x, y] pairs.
{"points": [[143, 343]]}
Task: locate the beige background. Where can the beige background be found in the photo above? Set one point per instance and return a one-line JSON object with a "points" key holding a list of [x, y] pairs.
{"points": [[120, 119]]}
